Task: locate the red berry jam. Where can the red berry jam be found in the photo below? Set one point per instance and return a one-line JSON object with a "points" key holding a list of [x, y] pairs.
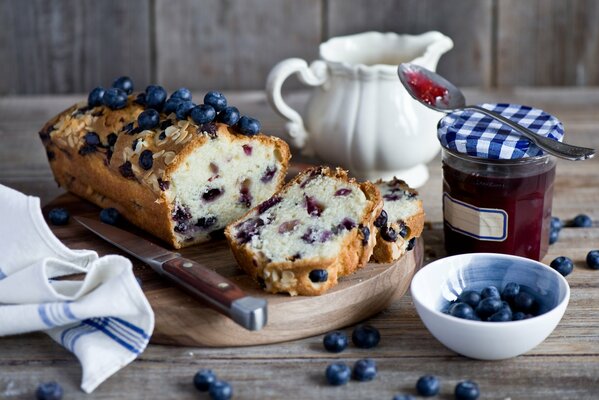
{"points": [[425, 89], [499, 206]]}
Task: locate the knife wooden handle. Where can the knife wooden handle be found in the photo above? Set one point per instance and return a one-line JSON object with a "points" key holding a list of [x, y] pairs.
{"points": [[203, 282]]}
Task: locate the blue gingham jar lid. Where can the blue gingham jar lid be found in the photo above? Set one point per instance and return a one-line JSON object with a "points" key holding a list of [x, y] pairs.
{"points": [[475, 134]]}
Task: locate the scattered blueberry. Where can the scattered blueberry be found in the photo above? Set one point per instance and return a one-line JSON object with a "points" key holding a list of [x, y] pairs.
{"points": [[203, 379], [95, 97], [335, 342], [389, 234], [211, 194], [248, 126], [182, 94], [366, 336], [411, 244], [365, 234], [488, 307], [553, 236], [110, 215], [124, 83], [582, 221], [215, 99], [202, 114], [170, 106], [115, 98], [461, 310], [402, 230], [141, 99], [183, 109], [510, 291], [466, 390], [146, 159], [364, 370], [563, 265], [92, 139], [49, 391], [59, 216], [148, 119], [403, 397], [228, 115], [524, 302], [593, 259], [220, 390], [428, 386], [206, 222], [381, 220], [319, 275], [155, 97], [556, 223], [490, 291], [470, 297], [338, 374]]}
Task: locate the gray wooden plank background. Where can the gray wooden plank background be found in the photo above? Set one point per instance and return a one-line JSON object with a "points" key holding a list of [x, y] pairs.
{"points": [[69, 46]]}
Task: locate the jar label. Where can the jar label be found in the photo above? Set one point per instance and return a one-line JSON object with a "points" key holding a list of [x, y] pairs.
{"points": [[480, 223]]}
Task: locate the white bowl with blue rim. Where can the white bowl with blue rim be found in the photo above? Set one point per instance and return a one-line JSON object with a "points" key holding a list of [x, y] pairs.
{"points": [[440, 282]]}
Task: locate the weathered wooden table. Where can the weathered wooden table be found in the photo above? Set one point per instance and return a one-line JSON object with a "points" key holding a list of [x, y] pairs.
{"points": [[565, 366]]}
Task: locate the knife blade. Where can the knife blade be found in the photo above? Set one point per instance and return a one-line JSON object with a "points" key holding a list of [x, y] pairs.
{"points": [[226, 297]]}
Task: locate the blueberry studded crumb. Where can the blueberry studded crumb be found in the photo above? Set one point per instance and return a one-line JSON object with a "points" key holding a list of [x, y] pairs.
{"points": [[268, 174], [296, 256], [146, 159], [212, 194], [92, 139], [313, 235], [389, 234], [313, 206], [206, 222], [245, 197], [265, 205], [403, 229], [381, 220], [162, 135], [163, 185], [247, 149], [182, 216], [166, 123], [365, 234], [411, 244], [140, 99], [343, 192], [318, 275], [248, 229], [111, 138], [288, 226], [126, 170], [51, 155], [128, 128], [346, 223], [208, 129], [87, 149]]}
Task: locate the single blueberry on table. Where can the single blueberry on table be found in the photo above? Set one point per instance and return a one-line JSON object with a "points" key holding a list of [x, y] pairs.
{"points": [[466, 390], [524, 302], [318, 275], [428, 386], [215, 99], [59, 216], [110, 215], [248, 126], [229, 115], [553, 236], [490, 291], [582, 221], [470, 297], [95, 97], [49, 391], [563, 265], [488, 307], [115, 99], [182, 94], [593, 259], [124, 83], [170, 106], [155, 97], [202, 114], [364, 370], [366, 336], [148, 119], [220, 390], [183, 109], [556, 224], [510, 291], [403, 397], [461, 310], [335, 342], [338, 374], [203, 379]]}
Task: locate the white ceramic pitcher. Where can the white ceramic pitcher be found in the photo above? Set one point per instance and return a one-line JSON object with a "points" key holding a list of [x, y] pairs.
{"points": [[359, 116]]}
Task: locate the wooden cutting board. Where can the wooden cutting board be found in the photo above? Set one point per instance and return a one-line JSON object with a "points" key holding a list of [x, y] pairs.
{"points": [[183, 320]]}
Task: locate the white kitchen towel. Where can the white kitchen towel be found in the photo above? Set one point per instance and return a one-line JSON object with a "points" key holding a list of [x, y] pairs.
{"points": [[104, 319]]}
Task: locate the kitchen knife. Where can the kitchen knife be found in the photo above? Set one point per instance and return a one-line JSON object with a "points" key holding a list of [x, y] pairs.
{"points": [[224, 295]]}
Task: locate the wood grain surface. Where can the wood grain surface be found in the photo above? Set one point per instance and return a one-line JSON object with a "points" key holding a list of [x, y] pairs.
{"points": [[564, 366]]}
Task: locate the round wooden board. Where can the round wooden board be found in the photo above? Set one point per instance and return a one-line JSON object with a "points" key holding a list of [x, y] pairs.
{"points": [[183, 320]]}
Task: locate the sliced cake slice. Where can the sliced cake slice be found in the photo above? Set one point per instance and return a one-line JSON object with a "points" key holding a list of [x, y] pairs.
{"points": [[313, 231], [400, 222]]}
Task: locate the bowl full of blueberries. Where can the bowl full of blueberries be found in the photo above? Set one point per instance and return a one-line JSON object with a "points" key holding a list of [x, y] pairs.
{"points": [[489, 306]]}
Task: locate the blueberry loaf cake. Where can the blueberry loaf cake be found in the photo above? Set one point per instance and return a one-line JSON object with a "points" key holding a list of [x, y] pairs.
{"points": [[178, 170], [400, 222], [313, 231]]}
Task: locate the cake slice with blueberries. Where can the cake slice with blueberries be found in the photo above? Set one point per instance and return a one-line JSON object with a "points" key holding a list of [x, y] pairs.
{"points": [[313, 231], [400, 222], [180, 170]]}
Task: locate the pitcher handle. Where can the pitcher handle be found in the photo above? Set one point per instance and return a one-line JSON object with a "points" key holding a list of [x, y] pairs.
{"points": [[313, 75]]}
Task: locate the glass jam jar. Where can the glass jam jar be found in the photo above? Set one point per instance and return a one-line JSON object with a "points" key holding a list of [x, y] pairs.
{"points": [[492, 203]]}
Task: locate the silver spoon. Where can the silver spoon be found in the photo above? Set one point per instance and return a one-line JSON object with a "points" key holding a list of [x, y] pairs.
{"points": [[454, 100]]}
